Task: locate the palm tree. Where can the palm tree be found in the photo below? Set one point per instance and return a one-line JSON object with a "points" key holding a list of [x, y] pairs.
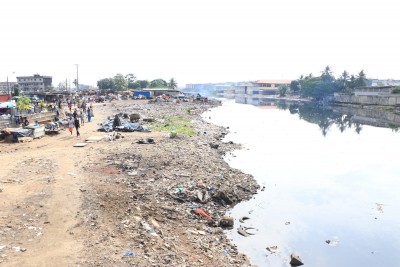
{"points": [[361, 79], [172, 83]]}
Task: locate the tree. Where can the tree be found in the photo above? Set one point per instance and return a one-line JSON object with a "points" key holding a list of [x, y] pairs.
{"points": [[295, 86], [120, 83], [352, 82], [327, 75], [107, 83], [361, 79], [312, 87], [130, 78], [17, 91], [172, 83], [143, 83], [282, 89], [342, 82], [23, 102], [158, 83]]}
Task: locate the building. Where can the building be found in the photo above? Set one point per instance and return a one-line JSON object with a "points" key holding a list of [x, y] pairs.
{"points": [[266, 87], [387, 82], [373, 90], [5, 86], [35, 83], [260, 87]]}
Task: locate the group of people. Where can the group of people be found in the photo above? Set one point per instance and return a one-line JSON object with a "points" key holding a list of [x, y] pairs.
{"points": [[78, 119], [74, 122]]}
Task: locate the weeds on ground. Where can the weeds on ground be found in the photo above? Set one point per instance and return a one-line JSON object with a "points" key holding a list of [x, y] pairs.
{"points": [[177, 124]]}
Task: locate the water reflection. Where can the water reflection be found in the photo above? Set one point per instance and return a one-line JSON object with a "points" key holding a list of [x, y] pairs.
{"points": [[326, 117], [341, 186]]}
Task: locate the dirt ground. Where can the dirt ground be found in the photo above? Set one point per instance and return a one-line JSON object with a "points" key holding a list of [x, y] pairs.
{"points": [[121, 203]]}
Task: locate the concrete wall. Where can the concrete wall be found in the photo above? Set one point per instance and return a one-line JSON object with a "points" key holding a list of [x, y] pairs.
{"points": [[374, 117], [391, 100]]}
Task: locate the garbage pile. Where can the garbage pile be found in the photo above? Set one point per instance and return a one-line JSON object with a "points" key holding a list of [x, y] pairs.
{"points": [[116, 124], [14, 134], [165, 204]]}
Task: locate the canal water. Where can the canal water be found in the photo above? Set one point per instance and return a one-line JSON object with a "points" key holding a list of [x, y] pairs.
{"points": [[332, 184]]}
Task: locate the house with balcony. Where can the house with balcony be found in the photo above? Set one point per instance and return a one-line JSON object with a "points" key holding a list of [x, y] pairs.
{"points": [[34, 83]]}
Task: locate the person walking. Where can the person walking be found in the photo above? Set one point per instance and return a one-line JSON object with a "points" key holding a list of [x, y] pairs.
{"points": [[84, 105], [89, 115], [69, 105], [75, 114], [70, 125], [82, 117], [77, 126]]}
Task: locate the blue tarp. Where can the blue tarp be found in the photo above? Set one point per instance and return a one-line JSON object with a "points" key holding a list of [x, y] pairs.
{"points": [[7, 104]]}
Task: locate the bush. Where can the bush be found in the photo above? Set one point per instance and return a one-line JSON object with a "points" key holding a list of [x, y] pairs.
{"points": [[396, 90]]}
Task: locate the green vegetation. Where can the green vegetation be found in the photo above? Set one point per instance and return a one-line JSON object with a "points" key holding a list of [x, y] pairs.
{"points": [[177, 124], [23, 103], [282, 90], [396, 90], [120, 83], [158, 83], [326, 84], [172, 83], [388, 108]]}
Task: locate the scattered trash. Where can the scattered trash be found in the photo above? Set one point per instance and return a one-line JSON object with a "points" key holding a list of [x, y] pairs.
{"points": [[123, 126], [135, 117], [130, 253], [201, 212], [243, 218], [213, 145], [379, 207], [93, 139], [146, 141], [244, 230], [295, 260], [226, 221], [333, 242], [80, 144], [273, 249]]}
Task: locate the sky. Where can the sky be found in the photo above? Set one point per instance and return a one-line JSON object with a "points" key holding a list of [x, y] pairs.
{"points": [[198, 41]]}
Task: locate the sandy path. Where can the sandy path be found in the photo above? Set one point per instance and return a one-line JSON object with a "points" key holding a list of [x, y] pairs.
{"points": [[41, 183]]}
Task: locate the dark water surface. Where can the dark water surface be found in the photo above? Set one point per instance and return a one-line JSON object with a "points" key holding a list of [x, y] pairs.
{"points": [[326, 177]]}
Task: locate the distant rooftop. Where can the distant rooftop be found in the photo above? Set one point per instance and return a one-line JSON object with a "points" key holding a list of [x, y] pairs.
{"points": [[274, 81]]}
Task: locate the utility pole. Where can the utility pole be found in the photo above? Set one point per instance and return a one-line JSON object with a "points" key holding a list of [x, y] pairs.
{"points": [[77, 78], [8, 89]]}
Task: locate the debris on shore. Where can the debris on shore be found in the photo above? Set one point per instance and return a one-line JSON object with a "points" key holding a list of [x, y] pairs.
{"points": [[164, 204]]}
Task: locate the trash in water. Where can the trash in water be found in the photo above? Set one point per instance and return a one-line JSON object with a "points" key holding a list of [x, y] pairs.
{"points": [[243, 218], [273, 249], [244, 231]]}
